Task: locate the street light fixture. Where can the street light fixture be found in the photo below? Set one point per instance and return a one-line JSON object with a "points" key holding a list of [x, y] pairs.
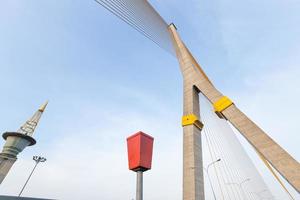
{"points": [[37, 160], [206, 169]]}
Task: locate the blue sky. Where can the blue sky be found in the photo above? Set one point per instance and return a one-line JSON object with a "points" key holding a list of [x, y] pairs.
{"points": [[105, 81]]}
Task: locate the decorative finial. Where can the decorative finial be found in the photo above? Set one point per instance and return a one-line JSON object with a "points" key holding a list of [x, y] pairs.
{"points": [[30, 125], [43, 107]]}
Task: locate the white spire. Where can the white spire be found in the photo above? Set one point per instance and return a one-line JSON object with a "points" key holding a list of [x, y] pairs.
{"points": [[30, 125]]}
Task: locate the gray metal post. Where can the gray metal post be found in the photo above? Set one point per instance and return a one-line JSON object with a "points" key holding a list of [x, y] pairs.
{"points": [[207, 172], [212, 188], [139, 185], [28, 179], [37, 160]]}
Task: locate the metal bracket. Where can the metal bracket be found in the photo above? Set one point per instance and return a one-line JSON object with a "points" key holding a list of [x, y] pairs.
{"points": [[222, 104], [191, 120]]}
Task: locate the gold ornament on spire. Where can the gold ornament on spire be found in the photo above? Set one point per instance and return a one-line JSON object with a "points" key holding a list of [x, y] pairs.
{"points": [[31, 124]]}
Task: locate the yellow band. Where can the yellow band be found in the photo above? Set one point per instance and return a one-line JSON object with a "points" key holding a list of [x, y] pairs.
{"points": [[191, 120], [223, 103]]}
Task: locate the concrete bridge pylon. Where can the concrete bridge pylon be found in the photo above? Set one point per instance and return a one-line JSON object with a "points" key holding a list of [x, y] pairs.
{"points": [[195, 81]]}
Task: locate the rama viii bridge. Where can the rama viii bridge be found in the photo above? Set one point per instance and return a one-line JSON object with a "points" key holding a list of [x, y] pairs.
{"points": [[215, 163], [234, 172]]}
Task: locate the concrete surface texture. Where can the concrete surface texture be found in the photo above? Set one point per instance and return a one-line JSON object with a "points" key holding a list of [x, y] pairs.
{"points": [[194, 76]]}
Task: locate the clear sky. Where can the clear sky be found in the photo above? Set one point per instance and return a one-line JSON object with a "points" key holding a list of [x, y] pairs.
{"points": [[105, 81]]}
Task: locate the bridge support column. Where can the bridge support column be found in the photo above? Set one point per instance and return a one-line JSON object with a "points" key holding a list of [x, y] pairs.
{"points": [[272, 152], [193, 183]]}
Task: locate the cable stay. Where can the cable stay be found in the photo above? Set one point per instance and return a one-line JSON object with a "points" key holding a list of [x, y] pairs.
{"points": [[275, 175], [235, 176], [141, 16]]}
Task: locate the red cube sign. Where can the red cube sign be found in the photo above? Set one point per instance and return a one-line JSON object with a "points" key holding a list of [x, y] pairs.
{"points": [[140, 148]]}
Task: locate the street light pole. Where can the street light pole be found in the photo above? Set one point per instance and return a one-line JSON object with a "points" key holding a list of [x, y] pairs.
{"points": [[207, 172], [139, 149], [37, 160], [139, 185]]}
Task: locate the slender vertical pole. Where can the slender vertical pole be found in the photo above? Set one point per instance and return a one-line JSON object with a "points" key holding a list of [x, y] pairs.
{"points": [[211, 185], [37, 160], [207, 172], [139, 185], [28, 178]]}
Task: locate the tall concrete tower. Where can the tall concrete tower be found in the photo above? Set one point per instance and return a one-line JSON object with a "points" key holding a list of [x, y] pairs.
{"points": [[17, 141], [195, 81]]}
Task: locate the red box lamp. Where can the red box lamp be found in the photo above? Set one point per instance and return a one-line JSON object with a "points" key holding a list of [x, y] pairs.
{"points": [[140, 148]]}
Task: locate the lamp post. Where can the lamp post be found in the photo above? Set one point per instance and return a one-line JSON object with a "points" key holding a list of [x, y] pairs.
{"points": [[139, 148], [37, 160], [207, 172], [240, 185]]}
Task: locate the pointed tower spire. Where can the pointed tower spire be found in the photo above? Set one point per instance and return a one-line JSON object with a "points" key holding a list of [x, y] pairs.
{"points": [[30, 125], [17, 141], [43, 107]]}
